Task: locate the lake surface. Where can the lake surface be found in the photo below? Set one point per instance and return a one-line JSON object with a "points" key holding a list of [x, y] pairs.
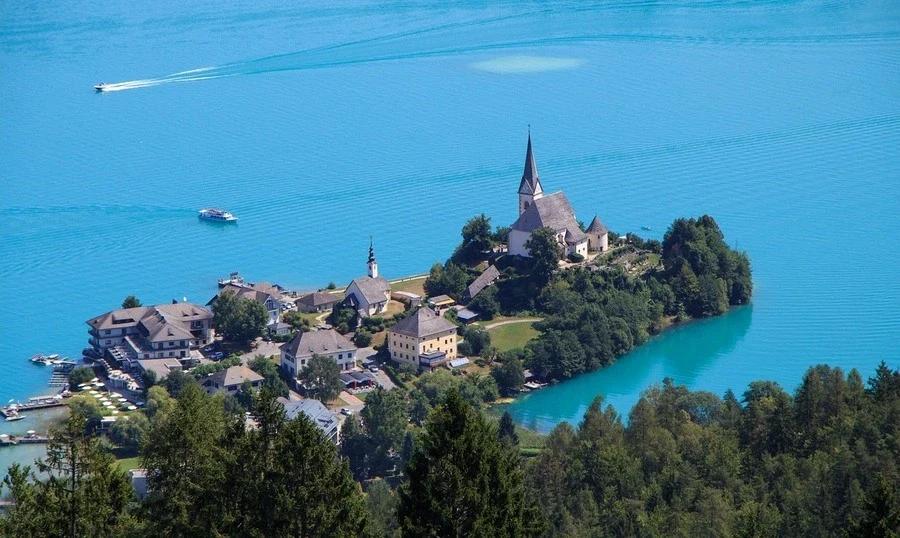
{"points": [[324, 124]]}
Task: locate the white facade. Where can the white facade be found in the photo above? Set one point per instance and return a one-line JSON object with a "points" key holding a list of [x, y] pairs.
{"points": [[517, 240], [346, 359]]}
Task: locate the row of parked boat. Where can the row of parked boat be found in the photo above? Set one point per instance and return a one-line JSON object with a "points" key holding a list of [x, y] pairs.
{"points": [[52, 360]]}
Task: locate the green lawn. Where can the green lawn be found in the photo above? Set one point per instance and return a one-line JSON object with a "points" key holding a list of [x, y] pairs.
{"points": [[512, 336], [129, 463], [412, 286]]}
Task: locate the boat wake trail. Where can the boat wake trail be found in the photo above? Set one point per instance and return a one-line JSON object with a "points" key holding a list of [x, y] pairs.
{"points": [[518, 31]]}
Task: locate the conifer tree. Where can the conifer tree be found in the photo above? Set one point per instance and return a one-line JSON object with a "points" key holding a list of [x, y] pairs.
{"points": [[461, 481]]}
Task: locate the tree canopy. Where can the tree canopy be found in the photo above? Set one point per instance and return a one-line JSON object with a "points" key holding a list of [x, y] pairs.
{"points": [[239, 319], [461, 481], [322, 378], [131, 302]]}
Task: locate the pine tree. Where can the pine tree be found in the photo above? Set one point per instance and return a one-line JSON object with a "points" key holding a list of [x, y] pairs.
{"points": [[461, 481], [507, 431]]}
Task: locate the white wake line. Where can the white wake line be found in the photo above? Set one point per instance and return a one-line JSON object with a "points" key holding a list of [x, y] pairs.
{"points": [[148, 83]]}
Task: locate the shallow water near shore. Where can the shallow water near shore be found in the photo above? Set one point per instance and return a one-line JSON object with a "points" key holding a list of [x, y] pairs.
{"points": [[321, 125]]}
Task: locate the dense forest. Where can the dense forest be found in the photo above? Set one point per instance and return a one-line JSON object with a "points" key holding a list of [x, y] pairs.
{"points": [[824, 461]]}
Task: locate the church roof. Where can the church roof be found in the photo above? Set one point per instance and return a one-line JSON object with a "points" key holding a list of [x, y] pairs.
{"points": [[531, 182], [373, 290], [597, 227], [552, 211]]}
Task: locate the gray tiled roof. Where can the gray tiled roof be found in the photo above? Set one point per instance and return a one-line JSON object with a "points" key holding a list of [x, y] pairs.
{"points": [[164, 322], [485, 279], [319, 298], [597, 227], [374, 290], [422, 323], [323, 342], [552, 211], [233, 375], [161, 367], [314, 410]]}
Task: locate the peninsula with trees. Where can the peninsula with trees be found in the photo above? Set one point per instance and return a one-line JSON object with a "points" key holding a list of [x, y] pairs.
{"points": [[364, 411]]}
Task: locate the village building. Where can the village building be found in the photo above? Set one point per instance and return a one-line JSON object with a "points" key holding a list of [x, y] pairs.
{"points": [[231, 379], [485, 279], [368, 295], [151, 332], [160, 368], [317, 413], [539, 210], [263, 293], [423, 340], [326, 343], [598, 236], [441, 303], [318, 301]]}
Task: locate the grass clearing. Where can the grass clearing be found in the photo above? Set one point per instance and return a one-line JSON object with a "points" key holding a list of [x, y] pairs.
{"points": [[413, 285], [126, 464], [513, 335]]}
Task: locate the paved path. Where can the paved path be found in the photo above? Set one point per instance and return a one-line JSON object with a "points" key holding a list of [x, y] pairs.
{"points": [[510, 322]]}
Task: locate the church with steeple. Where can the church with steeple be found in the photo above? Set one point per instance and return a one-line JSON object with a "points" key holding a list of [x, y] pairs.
{"points": [[368, 295], [539, 210]]}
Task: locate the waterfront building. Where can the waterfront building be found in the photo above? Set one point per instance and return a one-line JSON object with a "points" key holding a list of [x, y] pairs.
{"points": [[231, 379], [317, 413], [318, 301], [368, 295], [539, 210], [327, 343], [152, 332], [423, 340]]}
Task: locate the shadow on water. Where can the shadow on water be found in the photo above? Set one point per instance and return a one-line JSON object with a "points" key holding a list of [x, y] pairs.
{"points": [[682, 353]]}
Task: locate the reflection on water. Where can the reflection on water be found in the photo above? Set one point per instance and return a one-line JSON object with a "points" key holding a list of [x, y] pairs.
{"points": [[682, 354]]}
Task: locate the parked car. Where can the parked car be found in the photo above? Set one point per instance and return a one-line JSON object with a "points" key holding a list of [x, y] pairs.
{"points": [[346, 411], [217, 356], [373, 369]]}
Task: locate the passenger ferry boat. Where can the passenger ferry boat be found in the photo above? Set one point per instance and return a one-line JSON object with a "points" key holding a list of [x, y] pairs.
{"points": [[218, 215]]}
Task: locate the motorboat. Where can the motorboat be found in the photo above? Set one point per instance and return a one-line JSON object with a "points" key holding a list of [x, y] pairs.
{"points": [[44, 360], [15, 417], [218, 215], [101, 87]]}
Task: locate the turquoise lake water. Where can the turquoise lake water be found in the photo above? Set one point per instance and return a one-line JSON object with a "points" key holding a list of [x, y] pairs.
{"points": [[324, 124]]}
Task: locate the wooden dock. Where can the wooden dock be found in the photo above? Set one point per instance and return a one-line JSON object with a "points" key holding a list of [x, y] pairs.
{"points": [[31, 406], [12, 440]]}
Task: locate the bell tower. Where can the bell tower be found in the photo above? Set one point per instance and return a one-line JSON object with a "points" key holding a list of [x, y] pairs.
{"points": [[530, 188], [373, 265]]}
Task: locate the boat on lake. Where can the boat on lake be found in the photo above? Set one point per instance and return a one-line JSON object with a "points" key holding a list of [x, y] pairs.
{"points": [[218, 215], [100, 87], [44, 360]]}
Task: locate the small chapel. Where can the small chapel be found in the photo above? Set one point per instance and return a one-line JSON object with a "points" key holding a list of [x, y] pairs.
{"points": [[539, 210]]}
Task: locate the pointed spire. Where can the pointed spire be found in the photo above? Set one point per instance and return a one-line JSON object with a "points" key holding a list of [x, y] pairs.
{"points": [[531, 182], [373, 265]]}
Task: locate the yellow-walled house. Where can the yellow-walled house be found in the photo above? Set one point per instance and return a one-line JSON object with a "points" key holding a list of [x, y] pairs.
{"points": [[422, 340]]}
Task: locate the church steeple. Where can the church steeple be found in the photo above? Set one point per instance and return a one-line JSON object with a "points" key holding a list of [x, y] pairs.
{"points": [[373, 265], [530, 188]]}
